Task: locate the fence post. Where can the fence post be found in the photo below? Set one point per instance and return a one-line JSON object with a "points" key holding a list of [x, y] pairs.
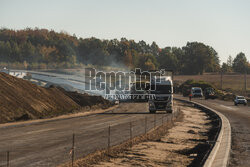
{"points": [[154, 121], [8, 158], [108, 139], [245, 83], [73, 150], [221, 80], [145, 124], [131, 135]]}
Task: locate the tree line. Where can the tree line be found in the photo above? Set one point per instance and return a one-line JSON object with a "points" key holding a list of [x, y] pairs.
{"points": [[42, 48]]}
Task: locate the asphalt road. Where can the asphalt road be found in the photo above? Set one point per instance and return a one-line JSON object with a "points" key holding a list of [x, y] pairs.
{"points": [[49, 143], [239, 118]]}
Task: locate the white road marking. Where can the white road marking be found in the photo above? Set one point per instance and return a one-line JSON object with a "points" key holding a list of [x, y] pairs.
{"points": [[39, 131], [227, 107]]}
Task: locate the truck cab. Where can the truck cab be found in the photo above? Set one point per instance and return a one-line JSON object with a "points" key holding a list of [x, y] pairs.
{"points": [[162, 90]]}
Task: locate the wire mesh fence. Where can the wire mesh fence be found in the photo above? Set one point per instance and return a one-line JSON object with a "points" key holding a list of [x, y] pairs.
{"points": [[70, 145]]}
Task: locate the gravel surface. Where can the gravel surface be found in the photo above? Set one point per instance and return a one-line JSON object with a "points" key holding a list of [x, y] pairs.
{"points": [[173, 149]]}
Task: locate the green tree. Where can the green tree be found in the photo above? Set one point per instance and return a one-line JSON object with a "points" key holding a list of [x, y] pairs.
{"points": [[199, 58], [230, 61], [167, 59], [155, 49], [225, 68], [229, 64], [248, 68], [146, 62], [240, 63], [213, 61], [42, 48]]}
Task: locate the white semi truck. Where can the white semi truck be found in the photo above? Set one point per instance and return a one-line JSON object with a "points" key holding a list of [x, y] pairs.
{"points": [[162, 89]]}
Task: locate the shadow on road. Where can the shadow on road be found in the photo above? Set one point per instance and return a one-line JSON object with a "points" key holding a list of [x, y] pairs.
{"points": [[110, 113]]}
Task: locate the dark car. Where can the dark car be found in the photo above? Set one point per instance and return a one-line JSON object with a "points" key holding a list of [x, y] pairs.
{"points": [[209, 93], [240, 100]]}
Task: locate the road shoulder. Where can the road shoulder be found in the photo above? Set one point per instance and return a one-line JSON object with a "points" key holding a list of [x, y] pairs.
{"points": [[62, 117]]}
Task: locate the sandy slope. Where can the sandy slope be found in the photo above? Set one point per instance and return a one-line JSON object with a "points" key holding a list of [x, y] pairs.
{"points": [[22, 100], [169, 150]]}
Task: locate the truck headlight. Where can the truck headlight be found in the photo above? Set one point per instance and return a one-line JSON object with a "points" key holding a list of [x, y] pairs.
{"points": [[151, 104]]}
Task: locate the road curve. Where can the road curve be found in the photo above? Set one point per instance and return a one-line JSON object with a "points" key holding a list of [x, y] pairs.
{"points": [[239, 118]]}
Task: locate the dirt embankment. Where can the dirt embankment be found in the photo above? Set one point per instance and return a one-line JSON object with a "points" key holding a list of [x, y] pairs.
{"points": [[184, 145], [22, 100]]}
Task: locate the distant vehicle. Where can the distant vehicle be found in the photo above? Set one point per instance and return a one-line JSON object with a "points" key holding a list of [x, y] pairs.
{"points": [[196, 92], [209, 93], [240, 100], [163, 91]]}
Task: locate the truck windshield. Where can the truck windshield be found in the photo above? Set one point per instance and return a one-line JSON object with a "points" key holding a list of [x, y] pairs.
{"points": [[197, 91], [161, 89]]}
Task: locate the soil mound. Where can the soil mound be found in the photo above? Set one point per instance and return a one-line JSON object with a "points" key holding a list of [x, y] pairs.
{"points": [[22, 100]]}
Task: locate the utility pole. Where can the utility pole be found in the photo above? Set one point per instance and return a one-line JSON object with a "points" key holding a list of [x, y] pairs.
{"points": [[245, 77], [8, 158], [73, 150], [221, 80], [108, 139]]}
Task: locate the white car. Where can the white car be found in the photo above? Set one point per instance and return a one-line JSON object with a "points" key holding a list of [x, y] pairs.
{"points": [[240, 100], [196, 92]]}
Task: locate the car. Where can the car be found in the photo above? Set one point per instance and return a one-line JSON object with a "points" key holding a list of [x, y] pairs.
{"points": [[196, 92], [209, 93], [240, 100]]}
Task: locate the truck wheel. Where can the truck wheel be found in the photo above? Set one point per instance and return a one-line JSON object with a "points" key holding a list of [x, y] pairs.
{"points": [[152, 111], [169, 111]]}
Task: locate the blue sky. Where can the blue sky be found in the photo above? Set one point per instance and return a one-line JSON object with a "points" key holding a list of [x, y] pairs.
{"points": [[222, 24]]}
